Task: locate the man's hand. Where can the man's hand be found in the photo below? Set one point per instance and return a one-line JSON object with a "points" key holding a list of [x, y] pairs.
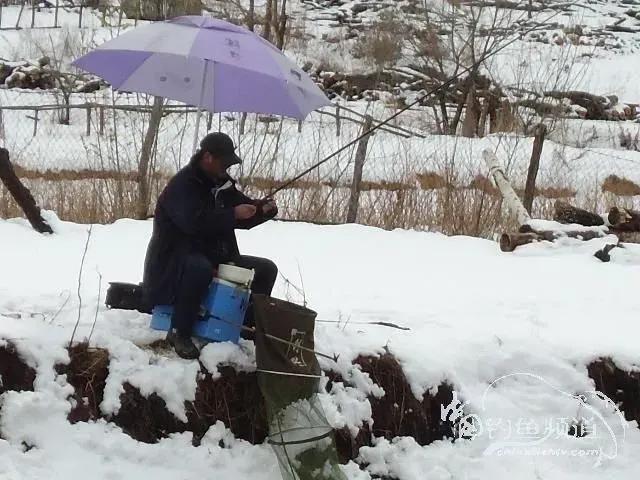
{"points": [[269, 207], [244, 211]]}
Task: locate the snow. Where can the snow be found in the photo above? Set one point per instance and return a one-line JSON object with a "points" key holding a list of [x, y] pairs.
{"points": [[512, 333], [475, 315], [173, 381], [241, 357]]}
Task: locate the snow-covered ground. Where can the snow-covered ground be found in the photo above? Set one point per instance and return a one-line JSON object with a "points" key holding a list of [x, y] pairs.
{"points": [[526, 324]]}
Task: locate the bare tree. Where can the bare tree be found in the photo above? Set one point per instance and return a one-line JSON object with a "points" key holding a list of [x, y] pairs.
{"points": [[451, 40]]}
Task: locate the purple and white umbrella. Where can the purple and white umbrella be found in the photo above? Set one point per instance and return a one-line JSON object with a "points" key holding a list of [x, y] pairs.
{"points": [[208, 63]]}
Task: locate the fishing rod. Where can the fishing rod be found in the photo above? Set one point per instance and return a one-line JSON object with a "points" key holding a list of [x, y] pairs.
{"points": [[420, 99]]}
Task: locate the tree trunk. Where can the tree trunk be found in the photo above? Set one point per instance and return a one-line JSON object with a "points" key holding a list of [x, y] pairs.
{"points": [[445, 114], [361, 155], [142, 207], [251, 23], [21, 194], [266, 33], [282, 26], [508, 193], [493, 114], [471, 117], [482, 124], [534, 165], [568, 214]]}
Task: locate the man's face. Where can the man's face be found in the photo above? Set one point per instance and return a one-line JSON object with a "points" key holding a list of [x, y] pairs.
{"points": [[212, 165]]}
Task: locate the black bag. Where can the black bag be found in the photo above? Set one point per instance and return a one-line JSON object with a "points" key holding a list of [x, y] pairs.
{"points": [[126, 296]]}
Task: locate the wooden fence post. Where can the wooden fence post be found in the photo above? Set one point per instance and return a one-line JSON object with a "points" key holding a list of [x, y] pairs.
{"points": [[534, 165], [55, 17], [101, 115], [80, 14], [35, 122], [243, 121], [88, 132], [33, 13], [361, 155], [20, 14], [142, 206], [337, 120], [299, 126], [209, 121]]}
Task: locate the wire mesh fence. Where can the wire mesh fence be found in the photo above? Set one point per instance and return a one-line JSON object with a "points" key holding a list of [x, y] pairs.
{"points": [[91, 146], [80, 157]]}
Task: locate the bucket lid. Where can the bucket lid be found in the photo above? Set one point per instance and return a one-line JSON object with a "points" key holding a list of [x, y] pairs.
{"points": [[235, 274]]}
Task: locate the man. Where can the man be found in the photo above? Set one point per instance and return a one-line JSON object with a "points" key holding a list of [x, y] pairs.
{"points": [[194, 231]]}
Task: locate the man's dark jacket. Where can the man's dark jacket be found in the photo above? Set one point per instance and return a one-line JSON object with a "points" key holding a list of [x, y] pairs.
{"points": [[193, 215]]}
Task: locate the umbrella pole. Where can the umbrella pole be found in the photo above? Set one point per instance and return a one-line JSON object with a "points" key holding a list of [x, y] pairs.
{"points": [[199, 112]]}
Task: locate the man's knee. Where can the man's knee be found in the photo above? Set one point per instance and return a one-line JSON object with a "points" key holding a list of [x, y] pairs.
{"points": [[198, 268], [269, 270]]}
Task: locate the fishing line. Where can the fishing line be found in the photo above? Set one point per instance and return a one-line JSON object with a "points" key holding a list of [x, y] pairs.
{"points": [[466, 70]]}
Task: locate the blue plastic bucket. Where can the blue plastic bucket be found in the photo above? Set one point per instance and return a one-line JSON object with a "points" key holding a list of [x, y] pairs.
{"points": [[223, 314]]}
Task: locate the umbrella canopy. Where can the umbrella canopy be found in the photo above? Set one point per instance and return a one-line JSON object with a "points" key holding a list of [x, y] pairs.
{"points": [[207, 63]]}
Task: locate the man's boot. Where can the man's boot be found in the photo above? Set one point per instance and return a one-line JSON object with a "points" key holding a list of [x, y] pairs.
{"points": [[183, 345]]}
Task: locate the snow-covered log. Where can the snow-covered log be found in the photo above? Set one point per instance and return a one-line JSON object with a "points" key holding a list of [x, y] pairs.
{"points": [[510, 241]]}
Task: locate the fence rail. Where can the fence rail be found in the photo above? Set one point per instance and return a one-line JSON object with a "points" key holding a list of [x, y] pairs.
{"points": [[360, 119], [30, 10]]}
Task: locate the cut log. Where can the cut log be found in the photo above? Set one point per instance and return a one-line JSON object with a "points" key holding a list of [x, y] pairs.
{"points": [[624, 220], [21, 194], [510, 241], [568, 214], [597, 107]]}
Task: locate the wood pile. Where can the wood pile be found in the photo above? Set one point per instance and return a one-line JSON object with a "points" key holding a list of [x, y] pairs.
{"points": [[568, 220], [621, 222], [40, 74], [26, 74]]}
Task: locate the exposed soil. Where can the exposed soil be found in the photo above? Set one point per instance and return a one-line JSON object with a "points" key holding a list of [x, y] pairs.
{"points": [[235, 399], [15, 374], [87, 372], [619, 385]]}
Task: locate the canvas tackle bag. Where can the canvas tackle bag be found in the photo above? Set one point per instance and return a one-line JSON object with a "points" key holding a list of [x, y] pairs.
{"points": [[288, 375]]}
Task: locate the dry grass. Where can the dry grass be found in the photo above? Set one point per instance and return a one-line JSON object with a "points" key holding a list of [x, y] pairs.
{"points": [[434, 200], [431, 181], [620, 186]]}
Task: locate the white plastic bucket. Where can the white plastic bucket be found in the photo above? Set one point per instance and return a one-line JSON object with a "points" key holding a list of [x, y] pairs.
{"points": [[237, 275]]}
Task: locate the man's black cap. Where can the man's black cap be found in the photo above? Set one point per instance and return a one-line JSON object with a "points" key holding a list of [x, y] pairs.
{"points": [[220, 145]]}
